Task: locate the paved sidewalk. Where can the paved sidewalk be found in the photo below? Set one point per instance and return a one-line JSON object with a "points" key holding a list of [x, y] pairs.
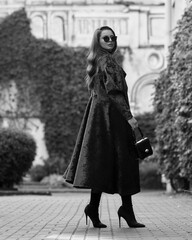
{"points": [[61, 217]]}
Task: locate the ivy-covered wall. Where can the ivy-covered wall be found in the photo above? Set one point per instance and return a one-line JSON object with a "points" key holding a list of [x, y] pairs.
{"points": [[173, 104], [50, 81]]}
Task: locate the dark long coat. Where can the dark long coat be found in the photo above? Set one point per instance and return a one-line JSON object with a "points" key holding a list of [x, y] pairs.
{"points": [[104, 157]]}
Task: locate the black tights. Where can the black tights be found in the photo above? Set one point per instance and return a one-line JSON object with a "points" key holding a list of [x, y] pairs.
{"points": [[126, 201], [96, 197]]}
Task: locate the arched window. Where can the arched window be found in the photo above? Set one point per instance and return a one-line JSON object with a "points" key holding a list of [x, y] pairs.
{"points": [[58, 29], [142, 93], [37, 27]]}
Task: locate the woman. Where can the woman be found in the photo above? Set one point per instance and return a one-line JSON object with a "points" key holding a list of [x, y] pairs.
{"points": [[105, 158]]}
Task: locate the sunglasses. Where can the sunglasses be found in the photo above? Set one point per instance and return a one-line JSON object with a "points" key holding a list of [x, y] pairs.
{"points": [[107, 38]]}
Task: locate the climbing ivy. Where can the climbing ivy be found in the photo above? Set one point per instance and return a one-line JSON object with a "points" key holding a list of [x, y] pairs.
{"points": [[50, 83], [173, 104]]}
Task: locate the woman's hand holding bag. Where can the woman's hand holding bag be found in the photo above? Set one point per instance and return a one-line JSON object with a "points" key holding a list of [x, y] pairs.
{"points": [[143, 146]]}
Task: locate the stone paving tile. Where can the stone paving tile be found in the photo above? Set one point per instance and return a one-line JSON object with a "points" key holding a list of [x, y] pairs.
{"points": [[61, 217]]}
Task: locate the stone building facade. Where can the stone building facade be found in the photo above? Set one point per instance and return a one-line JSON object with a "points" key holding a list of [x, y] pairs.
{"points": [[139, 25]]}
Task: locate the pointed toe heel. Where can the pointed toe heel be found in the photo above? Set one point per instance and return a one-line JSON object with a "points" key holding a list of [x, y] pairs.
{"points": [[119, 220], [94, 216], [86, 218], [129, 217]]}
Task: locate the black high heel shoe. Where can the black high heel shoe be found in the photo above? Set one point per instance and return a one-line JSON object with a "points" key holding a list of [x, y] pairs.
{"points": [[93, 214], [129, 217]]}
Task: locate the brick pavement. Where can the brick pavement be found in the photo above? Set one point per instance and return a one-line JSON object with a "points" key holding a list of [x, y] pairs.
{"points": [[61, 217]]}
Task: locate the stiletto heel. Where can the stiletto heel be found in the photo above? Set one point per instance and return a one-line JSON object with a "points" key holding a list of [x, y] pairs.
{"points": [[86, 218], [92, 213], [119, 220], [129, 217]]}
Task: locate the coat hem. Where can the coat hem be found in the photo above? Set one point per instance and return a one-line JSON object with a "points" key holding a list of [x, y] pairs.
{"points": [[104, 190]]}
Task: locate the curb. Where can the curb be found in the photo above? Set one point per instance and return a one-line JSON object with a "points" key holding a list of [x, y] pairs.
{"points": [[16, 193], [42, 192]]}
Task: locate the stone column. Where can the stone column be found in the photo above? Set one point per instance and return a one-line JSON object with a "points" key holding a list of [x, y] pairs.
{"points": [[168, 26], [168, 40], [49, 25], [69, 33]]}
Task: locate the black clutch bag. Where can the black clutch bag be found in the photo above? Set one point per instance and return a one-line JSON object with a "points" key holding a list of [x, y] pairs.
{"points": [[143, 146]]}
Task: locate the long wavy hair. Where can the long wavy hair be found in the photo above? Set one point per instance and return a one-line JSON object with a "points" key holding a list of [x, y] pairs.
{"points": [[95, 52]]}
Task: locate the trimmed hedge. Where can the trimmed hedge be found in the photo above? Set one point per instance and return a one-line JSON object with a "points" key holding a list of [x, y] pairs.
{"points": [[173, 104], [17, 152]]}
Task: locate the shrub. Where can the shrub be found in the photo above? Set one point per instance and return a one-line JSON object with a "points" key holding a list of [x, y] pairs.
{"points": [[17, 152], [55, 165], [174, 106], [38, 172], [147, 124], [150, 177], [55, 181], [166, 133]]}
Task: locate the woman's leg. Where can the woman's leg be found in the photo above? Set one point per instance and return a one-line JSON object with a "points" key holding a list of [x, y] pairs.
{"points": [[95, 198], [126, 201], [92, 209], [126, 212]]}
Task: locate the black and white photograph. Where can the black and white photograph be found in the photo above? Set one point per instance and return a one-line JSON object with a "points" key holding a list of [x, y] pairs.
{"points": [[95, 119]]}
